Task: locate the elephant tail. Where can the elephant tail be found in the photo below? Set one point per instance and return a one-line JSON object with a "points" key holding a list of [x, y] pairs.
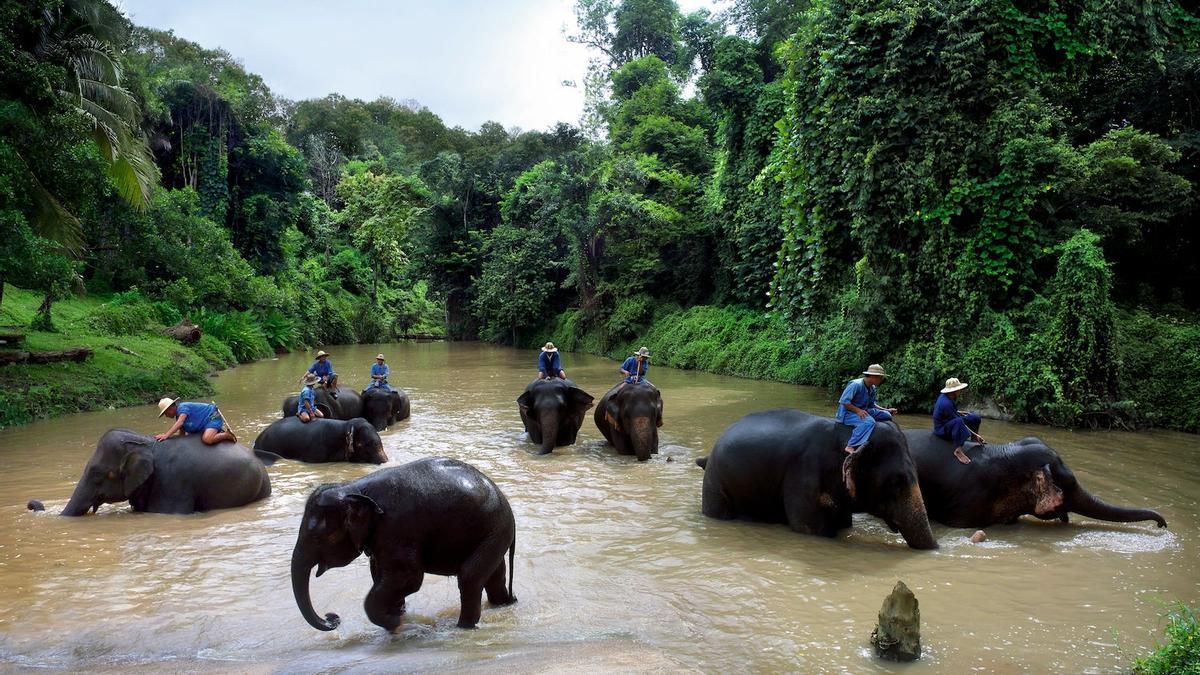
{"points": [[702, 462], [512, 549]]}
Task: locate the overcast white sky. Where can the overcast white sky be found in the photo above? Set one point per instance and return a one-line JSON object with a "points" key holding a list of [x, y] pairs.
{"points": [[469, 61]]}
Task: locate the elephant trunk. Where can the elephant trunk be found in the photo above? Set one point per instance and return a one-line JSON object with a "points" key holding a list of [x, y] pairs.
{"points": [[643, 438], [301, 570], [80, 502], [548, 421], [913, 522], [1085, 504]]}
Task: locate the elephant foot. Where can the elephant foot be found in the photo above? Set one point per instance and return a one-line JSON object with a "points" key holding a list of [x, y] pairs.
{"points": [[503, 602], [543, 452]]}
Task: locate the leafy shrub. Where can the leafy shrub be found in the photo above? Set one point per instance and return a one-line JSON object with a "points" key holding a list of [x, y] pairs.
{"points": [[127, 313], [1153, 352], [1181, 653], [216, 353], [280, 331], [239, 330]]}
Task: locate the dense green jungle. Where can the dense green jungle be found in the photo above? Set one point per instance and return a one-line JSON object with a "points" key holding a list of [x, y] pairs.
{"points": [[1005, 191]]}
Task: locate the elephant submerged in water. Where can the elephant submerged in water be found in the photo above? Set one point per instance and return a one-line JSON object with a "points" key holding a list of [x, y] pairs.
{"points": [[178, 475], [787, 466], [1003, 483], [552, 411], [629, 416], [383, 408], [323, 440], [346, 406], [432, 516]]}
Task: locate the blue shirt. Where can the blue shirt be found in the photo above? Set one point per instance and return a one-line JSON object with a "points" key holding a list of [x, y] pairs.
{"points": [[380, 369], [198, 415], [549, 364], [944, 412], [306, 394], [322, 369], [631, 366], [858, 394]]}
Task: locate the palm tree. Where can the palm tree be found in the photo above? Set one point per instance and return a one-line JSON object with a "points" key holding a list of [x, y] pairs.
{"points": [[79, 36]]}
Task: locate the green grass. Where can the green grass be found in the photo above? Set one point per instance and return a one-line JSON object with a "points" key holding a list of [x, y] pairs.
{"points": [[111, 378], [1180, 654]]}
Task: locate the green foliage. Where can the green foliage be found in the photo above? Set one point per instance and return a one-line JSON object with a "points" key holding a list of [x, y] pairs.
{"points": [[127, 313], [516, 285], [1180, 655], [1155, 352], [280, 331], [215, 353], [239, 330]]}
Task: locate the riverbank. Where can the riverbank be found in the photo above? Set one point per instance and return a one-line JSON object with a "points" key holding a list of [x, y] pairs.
{"points": [[130, 364], [1010, 371]]}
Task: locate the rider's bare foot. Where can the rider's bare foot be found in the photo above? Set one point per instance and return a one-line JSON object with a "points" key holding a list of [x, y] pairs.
{"points": [[962, 456], [849, 449]]}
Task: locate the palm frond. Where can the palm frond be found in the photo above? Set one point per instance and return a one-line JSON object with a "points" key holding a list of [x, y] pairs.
{"points": [[52, 220]]}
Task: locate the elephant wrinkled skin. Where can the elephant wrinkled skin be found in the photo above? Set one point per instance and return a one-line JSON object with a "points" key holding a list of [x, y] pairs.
{"points": [[552, 412], [178, 475], [432, 516], [629, 416], [1003, 483], [787, 466]]}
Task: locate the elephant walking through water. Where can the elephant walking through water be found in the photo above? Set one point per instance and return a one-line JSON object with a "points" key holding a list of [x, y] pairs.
{"points": [[787, 466], [178, 475], [434, 515], [552, 411], [1003, 483], [629, 415]]}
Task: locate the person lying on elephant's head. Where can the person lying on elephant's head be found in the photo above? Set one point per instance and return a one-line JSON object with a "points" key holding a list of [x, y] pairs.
{"points": [[952, 424], [195, 418]]}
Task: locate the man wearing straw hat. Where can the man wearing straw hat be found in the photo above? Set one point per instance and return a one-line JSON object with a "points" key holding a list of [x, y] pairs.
{"points": [[379, 374], [549, 365], [306, 405], [952, 424], [857, 407], [635, 367], [323, 369], [195, 418]]}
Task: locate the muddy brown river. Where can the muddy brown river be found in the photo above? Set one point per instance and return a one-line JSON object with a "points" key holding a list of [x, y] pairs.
{"points": [[616, 568]]}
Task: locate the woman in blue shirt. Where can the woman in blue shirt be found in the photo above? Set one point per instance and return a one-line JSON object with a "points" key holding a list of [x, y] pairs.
{"points": [[857, 407], [195, 418], [379, 374], [952, 424], [549, 364]]}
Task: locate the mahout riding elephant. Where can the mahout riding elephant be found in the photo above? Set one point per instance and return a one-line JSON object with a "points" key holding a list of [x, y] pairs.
{"points": [[383, 408], [346, 406], [629, 416], [552, 411], [1003, 483], [323, 440], [432, 516], [787, 466], [178, 475]]}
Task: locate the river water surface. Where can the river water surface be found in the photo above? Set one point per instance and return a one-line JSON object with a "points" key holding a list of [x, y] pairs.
{"points": [[616, 569]]}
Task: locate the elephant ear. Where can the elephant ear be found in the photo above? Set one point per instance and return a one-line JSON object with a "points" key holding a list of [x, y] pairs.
{"points": [[581, 398], [136, 467], [361, 512], [349, 441], [525, 400], [612, 412], [658, 408]]}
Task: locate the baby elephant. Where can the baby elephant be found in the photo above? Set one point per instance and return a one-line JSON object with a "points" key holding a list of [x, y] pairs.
{"points": [[434, 515]]}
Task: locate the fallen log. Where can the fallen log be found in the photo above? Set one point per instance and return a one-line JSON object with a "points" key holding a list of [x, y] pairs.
{"points": [[78, 355], [185, 332], [9, 339]]}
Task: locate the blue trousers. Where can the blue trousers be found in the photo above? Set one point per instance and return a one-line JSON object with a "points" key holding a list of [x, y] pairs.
{"points": [[958, 430], [864, 426], [378, 384]]}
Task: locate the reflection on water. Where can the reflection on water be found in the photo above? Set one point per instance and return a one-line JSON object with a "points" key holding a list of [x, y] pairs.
{"points": [[616, 569]]}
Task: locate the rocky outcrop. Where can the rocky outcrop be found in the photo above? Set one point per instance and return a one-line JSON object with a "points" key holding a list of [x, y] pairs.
{"points": [[897, 636]]}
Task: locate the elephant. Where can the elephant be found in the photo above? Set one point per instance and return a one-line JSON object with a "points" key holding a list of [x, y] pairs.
{"points": [[434, 515], [787, 466], [383, 408], [346, 406], [323, 440], [552, 412], [629, 416], [1003, 483], [178, 475]]}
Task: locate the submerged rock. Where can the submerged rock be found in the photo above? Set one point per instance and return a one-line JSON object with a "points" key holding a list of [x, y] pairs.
{"points": [[897, 636], [978, 537], [35, 505]]}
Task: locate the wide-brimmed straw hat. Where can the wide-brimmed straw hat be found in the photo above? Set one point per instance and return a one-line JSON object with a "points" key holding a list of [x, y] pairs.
{"points": [[953, 385], [549, 347], [379, 357], [642, 352], [321, 353], [875, 369], [310, 379], [164, 403]]}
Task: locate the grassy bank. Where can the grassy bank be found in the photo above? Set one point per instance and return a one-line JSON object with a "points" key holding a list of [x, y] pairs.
{"points": [[154, 364], [1180, 653], [1004, 359]]}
